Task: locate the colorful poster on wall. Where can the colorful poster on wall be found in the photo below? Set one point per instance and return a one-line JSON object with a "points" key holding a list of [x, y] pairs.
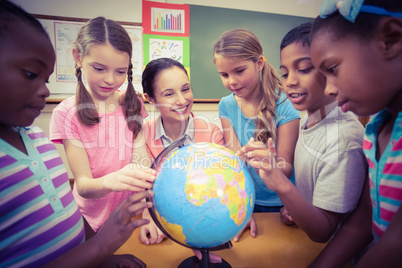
{"points": [[166, 48], [166, 32], [165, 19], [158, 46]]}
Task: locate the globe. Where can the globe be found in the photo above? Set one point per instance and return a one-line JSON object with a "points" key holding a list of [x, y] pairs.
{"points": [[203, 195]]}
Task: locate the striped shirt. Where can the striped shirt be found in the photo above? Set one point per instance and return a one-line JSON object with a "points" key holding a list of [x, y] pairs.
{"points": [[386, 174], [39, 219]]}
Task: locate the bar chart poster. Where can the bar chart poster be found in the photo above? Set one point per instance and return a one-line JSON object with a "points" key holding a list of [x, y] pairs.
{"points": [[165, 19]]}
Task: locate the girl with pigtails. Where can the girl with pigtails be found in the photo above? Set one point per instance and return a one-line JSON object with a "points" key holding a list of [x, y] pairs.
{"points": [[101, 127], [257, 109]]}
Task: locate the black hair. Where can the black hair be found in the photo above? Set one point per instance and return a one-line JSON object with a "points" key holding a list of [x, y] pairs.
{"points": [[153, 69], [363, 27], [10, 12], [299, 34]]}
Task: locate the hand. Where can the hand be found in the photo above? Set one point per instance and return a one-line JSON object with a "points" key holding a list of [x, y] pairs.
{"points": [[250, 224], [119, 226], [285, 217], [150, 233], [126, 261], [213, 258], [252, 145], [265, 161], [130, 178], [259, 156], [246, 152]]}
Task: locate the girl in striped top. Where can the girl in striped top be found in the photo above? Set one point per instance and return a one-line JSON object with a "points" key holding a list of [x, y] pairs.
{"points": [[357, 45], [40, 223]]}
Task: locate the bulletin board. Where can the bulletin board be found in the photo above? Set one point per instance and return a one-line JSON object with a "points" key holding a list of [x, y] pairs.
{"points": [[62, 32], [206, 26]]}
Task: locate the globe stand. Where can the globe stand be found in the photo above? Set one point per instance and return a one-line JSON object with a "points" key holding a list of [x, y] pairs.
{"points": [[193, 261]]}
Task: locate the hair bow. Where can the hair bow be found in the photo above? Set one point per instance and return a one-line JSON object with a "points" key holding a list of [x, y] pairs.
{"points": [[349, 9]]}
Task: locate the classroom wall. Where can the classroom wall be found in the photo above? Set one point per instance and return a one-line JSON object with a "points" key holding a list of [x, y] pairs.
{"points": [[131, 11]]}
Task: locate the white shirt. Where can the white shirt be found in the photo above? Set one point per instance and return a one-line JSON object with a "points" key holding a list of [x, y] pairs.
{"points": [[166, 141]]}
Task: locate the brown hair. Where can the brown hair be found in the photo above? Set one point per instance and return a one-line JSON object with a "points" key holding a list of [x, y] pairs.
{"points": [[101, 31], [153, 69], [244, 45]]}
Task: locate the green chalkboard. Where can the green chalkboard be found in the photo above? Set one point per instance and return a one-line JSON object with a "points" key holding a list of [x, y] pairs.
{"points": [[206, 26]]}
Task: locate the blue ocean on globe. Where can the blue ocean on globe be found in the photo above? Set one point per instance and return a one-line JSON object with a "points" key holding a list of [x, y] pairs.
{"points": [[204, 195]]}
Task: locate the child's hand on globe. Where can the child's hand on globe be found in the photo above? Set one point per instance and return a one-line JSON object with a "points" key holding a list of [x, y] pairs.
{"points": [[129, 178], [265, 161]]}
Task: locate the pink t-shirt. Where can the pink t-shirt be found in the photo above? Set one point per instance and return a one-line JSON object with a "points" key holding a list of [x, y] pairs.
{"points": [[109, 148]]}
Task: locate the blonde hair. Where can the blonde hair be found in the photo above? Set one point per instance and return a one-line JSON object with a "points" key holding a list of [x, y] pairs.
{"points": [[244, 45], [101, 31]]}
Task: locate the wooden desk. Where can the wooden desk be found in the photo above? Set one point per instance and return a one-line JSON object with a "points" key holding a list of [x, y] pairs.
{"points": [[276, 245]]}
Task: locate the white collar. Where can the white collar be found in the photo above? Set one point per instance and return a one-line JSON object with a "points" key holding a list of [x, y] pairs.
{"points": [[161, 134]]}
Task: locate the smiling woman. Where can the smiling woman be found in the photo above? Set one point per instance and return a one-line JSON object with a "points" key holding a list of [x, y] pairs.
{"points": [[166, 86], [173, 97]]}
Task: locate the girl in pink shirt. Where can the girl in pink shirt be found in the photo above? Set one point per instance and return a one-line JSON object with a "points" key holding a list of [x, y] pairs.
{"points": [[100, 127]]}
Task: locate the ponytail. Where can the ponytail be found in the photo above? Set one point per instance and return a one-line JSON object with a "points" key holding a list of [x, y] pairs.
{"points": [[132, 105], [86, 108], [271, 88], [243, 44]]}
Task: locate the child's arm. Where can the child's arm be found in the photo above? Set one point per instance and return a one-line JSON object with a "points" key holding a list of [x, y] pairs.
{"points": [[286, 142], [149, 233], [318, 224], [140, 156], [116, 230], [129, 178], [217, 136], [354, 235], [229, 135], [386, 252]]}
